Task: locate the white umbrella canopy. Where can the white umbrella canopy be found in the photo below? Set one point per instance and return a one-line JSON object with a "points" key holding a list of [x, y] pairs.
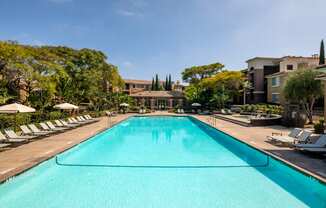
{"points": [[124, 104], [196, 104], [16, 108], [66, 106]]}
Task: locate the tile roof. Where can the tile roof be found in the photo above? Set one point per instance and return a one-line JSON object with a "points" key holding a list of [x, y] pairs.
{"points": [[163, 94], [136, 81]]}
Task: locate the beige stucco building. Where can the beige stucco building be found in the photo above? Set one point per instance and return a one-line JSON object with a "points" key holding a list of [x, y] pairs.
{"points": [[141, 91], [158, 100], [268, 76]]}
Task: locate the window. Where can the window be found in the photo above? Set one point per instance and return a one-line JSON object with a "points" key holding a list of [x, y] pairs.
{"points": [[275, 97], [275, 81], [289, 67]]}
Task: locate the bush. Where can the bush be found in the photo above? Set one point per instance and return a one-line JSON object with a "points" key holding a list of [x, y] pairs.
{"points": [[13, 121], [56, 115], [262, 108], [319, 127]]}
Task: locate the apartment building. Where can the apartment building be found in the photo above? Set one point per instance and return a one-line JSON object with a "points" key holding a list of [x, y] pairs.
{"points": [[268, 76], [134, 86]]}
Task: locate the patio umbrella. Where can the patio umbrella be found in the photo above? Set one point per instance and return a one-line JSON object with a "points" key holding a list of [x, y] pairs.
{"points": [[16, 108], [66, 106], [196, 104], [124, 104]]}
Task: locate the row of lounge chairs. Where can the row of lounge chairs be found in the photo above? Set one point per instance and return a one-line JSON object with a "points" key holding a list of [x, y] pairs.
{"points": [[31, 131], [300, 140]]}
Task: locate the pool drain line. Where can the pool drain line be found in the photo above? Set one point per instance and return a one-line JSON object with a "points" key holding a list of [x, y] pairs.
{"points": [[266, 164]]}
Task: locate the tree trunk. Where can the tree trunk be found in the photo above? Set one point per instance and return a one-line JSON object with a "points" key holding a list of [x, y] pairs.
{"points": [[308, 107]]}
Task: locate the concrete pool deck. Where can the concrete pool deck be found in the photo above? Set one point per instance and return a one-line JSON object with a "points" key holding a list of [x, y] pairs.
{"points": [[19, 159]]}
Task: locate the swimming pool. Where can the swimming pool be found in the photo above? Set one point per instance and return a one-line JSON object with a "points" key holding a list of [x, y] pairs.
{"points": [[162, 162]]}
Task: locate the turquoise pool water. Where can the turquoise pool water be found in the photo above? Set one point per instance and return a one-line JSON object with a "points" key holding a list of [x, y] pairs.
{"points": [[162, 162]]}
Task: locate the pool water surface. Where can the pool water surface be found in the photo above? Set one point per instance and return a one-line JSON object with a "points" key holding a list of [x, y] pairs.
{"points": [[162, 162]]}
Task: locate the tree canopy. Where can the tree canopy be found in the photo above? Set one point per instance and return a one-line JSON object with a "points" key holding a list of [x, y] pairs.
{"points": [[196, 73], [215, 90], [52, 74], [303, 88]]}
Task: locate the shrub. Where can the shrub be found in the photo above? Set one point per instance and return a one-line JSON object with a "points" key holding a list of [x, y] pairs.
{"points": [[319, 127], [56, 115], [262, 108]]}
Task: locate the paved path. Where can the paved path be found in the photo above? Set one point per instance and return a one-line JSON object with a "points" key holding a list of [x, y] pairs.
{"points": [[19, 159], [256, 136]]}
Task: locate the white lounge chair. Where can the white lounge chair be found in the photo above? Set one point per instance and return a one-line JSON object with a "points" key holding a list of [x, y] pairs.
{"points": [[69, 124], [74, 121], [88, 117], [36, 130], [279, 137], [182, 111], [81, 119], [223, 112], [320, 143], [47, 128], [3, 139], [12, 135], [59, 124], [301, 138], [28, 131], [53, 127]]}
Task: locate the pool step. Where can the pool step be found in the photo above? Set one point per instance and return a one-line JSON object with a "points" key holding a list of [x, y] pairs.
{"points": [[241, 123]]}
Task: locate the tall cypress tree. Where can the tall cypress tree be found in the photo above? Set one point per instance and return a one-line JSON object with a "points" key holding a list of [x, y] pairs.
{"points": [[166, 83], [322, 53], [157, 84], [170, 83], [153, 85]]}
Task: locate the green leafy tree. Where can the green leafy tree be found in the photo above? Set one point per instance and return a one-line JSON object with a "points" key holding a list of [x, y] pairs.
{"points": [[303, 88], [322, 53], [196, 73], [193, 93], [51, 74]]}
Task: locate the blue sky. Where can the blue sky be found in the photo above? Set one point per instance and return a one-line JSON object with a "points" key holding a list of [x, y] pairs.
{"points": [[144, 37]]}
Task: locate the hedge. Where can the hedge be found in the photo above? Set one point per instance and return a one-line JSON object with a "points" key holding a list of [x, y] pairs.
{"points": [[262, 108]]}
